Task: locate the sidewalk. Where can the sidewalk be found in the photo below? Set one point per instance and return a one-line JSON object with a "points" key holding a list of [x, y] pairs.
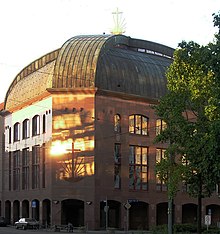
{"points": [[102, 232]]}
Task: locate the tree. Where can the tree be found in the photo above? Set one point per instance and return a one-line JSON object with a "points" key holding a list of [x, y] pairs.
{"points": [[191, 110]]}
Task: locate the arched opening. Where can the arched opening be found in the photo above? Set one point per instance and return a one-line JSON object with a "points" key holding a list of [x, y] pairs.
{"points": [[72, 211], [189, 213], [8, 212], [25, 209], [35, 209], [16, 210], [162, 213], [138, 216], [113, 212], [46, 216], [214, 211]]}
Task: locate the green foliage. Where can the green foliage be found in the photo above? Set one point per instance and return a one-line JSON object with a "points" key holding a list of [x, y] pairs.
{"points": [[159, 229], [191, 110], [177, 228], [184, 228]]}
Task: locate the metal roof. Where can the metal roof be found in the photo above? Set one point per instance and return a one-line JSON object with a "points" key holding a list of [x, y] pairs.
{"points": [[110, 62]]}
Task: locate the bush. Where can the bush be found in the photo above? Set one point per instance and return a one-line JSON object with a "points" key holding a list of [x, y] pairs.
{"points": [[187, 228], [212, 230], [160, 229], [177, 228]]}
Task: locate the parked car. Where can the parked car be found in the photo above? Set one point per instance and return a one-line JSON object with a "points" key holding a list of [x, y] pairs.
{"points": [[25, 223], [2, 222]]}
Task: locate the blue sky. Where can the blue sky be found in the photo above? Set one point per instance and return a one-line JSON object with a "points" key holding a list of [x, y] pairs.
{"points": [[32, 28]]}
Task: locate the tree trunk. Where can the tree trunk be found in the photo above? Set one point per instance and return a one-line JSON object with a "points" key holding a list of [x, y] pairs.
{"points": [[199, 209], [170, 216]]}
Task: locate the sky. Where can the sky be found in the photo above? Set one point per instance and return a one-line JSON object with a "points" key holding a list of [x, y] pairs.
{"points": [[33, 28]]}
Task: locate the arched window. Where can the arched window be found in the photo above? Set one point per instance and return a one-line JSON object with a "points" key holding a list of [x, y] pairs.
{"points": [[117, 123], [138, 124], [25, 129], [36, 125], [16, 132]]}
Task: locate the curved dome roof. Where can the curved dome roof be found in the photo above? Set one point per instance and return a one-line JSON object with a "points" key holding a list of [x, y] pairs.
{"points": [[109, 62]]}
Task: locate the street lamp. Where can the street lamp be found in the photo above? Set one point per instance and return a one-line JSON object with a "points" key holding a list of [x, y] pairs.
{"points": [[106, 208]]}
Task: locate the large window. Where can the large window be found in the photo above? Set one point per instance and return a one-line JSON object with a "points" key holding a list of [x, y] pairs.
{"points": [[138, 168], [16, 132], [117, 169], [25, 168], [36, 125], [35, 166], [160, 154], [16, 170], [25, 129], [138, 124]]}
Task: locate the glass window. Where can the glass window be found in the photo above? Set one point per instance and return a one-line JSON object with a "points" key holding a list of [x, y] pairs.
{"points": [[160, 154], [25, 129], [117, 168], [16, 170], [43, 166], [138, 124], [36, 125], [138, 170], [10, 171], [117, 153], [35, 166], [9, 136], [117, 176], [16, 132], [160, 126], [25, 168], [131, 123], [117, 123], [131, 154], [44, 123]]}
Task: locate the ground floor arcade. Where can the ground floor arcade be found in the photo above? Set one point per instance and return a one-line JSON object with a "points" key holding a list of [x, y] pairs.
{"points": [[133, 215]]}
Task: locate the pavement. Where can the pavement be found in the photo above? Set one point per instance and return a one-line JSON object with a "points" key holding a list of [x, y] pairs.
{"points": [[13, 230]]}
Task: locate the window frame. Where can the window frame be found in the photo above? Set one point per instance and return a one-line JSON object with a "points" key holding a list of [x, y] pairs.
{"points": [[160, 126], [26, 129], [160, 154], [117, 123], [138, 166], [16, 135], [36, 125], [139, 124]]}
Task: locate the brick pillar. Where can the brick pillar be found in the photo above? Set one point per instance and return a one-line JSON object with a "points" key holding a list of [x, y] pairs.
{"points": [[40, 212], [55, 212], [178, 214], [152, 215], [89, 215]]}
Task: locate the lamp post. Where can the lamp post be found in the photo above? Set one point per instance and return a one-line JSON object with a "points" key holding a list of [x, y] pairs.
{"points": [[106, 213]]}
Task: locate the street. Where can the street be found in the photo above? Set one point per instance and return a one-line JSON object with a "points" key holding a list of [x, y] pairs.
{"points": [[12, 230]]}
